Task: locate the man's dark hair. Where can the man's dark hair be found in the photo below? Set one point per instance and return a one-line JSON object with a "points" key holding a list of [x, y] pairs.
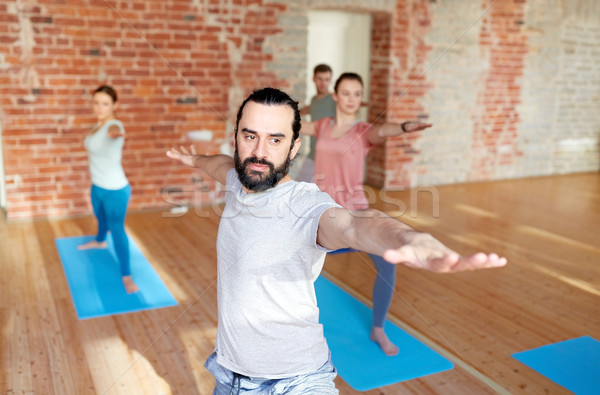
{"points": [[108, 90], [272, 97], [322, 68], [347, 76]]}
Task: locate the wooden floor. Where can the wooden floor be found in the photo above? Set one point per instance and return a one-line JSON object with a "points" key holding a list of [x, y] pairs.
{"points": [[550, 291]]}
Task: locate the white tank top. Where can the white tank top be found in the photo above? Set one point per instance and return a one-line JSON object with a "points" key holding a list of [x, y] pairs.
{"points": [[104, 155]]}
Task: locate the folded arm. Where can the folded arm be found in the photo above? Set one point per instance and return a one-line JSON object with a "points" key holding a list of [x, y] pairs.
{"points": [[379, 133], [215, 166], [374, 232]]}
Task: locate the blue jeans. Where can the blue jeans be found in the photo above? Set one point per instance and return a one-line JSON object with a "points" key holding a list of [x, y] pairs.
{"points": [[227, 382], [110, 208]]}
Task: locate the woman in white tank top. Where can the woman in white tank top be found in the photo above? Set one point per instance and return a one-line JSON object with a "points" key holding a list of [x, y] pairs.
{"points": [[110, 190]]}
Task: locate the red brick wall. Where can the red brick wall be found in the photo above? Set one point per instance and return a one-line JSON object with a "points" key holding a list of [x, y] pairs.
{"points": [[501, 106], [503, 45], [381, 47], [409, 84], [391, 165], [171, 64]]}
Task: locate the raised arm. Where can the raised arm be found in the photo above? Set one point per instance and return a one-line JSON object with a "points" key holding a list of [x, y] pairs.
{"points": [[115, 132], [379, 133], [374, 232], [307, 128], [215, 166], [305, 110]]}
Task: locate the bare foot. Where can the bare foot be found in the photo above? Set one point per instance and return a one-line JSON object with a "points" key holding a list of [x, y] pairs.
{"points": [[130, 286], [379, 337], [92, 244]]}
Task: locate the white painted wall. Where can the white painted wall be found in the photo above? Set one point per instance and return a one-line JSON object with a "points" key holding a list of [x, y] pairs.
{"points": [[342, 40]]}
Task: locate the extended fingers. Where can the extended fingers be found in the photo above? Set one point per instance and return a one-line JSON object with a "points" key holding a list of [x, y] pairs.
{"points": [[480, 261], [435, 261], [443, 263], [173, 153], [491, 260]]}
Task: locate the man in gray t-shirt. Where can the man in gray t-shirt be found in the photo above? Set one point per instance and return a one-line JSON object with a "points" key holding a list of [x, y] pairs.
{"points": [[321, 105], [271, 245]]}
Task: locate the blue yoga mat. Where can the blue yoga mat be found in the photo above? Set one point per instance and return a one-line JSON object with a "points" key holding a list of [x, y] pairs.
{"points": [[574, 364], [359, 361], [94, 279], [342, 251]]}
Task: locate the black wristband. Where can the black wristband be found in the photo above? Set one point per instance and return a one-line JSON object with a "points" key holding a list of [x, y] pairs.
{"points": [[403, 126]]}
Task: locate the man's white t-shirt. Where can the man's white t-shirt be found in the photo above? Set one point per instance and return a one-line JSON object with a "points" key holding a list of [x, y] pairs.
{"points": [[268, 259]]}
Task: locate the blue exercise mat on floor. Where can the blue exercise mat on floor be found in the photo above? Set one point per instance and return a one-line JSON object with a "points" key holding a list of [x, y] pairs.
{"points": [[342, 251], [574, 364], [94, 279], [359, 361]]}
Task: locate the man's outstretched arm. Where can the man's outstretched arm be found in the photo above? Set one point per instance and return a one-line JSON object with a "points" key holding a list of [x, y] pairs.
{"points": [[215, 166], [374, 232]]}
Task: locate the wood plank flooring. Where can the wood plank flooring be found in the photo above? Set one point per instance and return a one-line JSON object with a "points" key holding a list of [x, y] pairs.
{"points": [[548, 227]]}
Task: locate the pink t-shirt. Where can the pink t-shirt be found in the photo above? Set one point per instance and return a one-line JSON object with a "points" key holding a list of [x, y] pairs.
{"points": [[340, 163]]}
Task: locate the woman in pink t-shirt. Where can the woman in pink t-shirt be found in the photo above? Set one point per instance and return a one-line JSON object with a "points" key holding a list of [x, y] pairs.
{"points": [[342, 146]]}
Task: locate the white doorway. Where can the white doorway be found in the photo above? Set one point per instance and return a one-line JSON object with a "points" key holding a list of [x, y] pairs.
{"points": [[343, 41]]}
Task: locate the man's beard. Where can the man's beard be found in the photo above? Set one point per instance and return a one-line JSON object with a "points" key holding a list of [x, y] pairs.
{"points": [[258, 181]]}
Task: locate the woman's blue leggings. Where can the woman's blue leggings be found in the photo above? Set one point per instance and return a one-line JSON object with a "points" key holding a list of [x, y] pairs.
{"points": [[383, 289], [110, 208]]}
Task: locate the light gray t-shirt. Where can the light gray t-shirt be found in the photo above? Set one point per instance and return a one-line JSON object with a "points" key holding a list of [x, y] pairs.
{"points": [[104, 155], [268, 259]]}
